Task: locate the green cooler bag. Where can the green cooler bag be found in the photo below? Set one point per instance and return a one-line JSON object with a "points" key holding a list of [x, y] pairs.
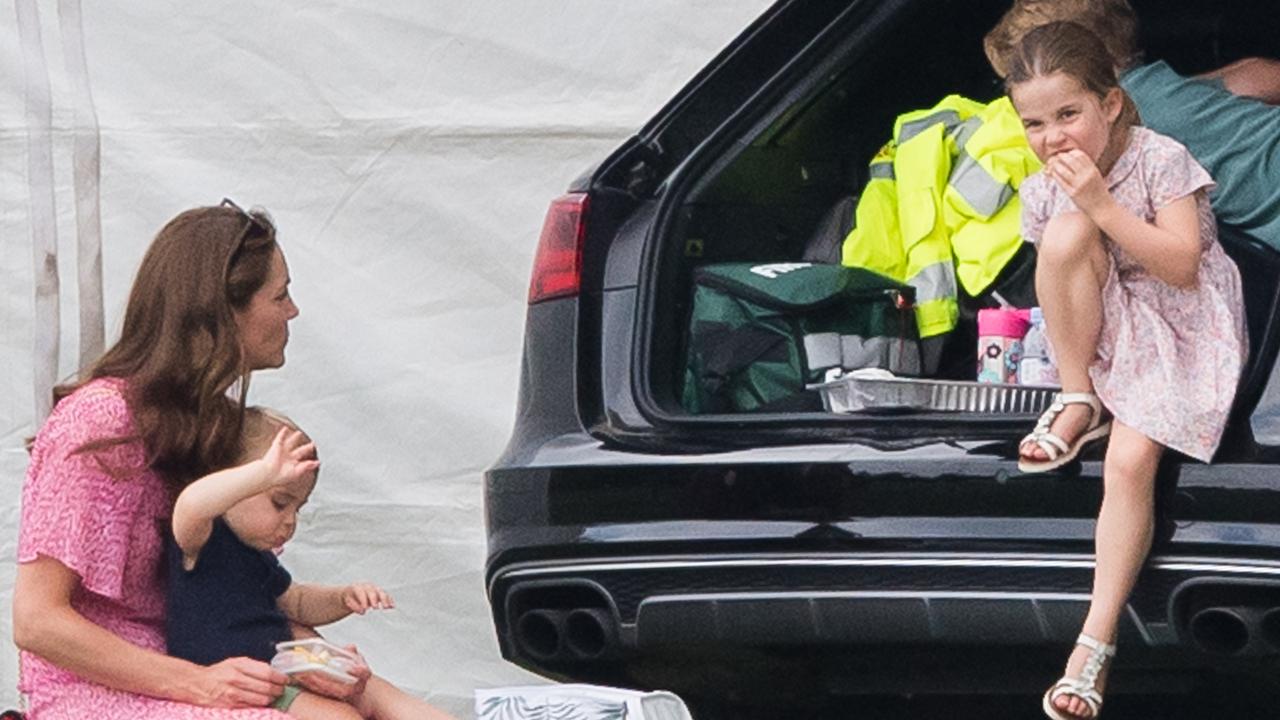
{"points": [[759, 333]]}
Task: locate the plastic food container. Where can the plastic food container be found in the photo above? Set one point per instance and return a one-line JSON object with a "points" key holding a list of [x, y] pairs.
{"points": [[314, 655], [873, 389]]}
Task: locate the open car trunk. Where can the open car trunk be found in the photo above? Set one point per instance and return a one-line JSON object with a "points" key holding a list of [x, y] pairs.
{"points": [[778, 182]]}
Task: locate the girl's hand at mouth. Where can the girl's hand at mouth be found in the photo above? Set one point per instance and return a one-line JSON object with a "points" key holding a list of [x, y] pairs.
{"points": [[1077, 174]]}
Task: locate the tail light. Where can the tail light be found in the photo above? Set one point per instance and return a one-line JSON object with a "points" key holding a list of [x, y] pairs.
{"points": [[557, 265]]}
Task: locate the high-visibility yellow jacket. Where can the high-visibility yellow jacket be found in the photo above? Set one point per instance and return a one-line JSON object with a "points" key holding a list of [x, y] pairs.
{"points": [[942, 203]]}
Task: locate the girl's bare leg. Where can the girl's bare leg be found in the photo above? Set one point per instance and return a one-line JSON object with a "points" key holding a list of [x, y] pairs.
{"points": [[1123, 538], [384, 701], [1071, 269]]}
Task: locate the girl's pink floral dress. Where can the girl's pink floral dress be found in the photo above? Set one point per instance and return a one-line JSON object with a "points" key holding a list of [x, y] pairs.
{"points": [[1168, 359], [110, 533]]}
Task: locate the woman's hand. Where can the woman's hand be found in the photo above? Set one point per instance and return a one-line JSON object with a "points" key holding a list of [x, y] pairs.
{"points": [[291, 457], [45, 623], [1079, 177], [322, 684], [237, 683], [360, 597]]}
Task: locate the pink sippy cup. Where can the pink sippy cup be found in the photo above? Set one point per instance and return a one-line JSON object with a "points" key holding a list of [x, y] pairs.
{"points": [[1000, 332]]}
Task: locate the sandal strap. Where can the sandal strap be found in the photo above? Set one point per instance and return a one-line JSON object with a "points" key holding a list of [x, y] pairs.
{"points": [[1052, 445], [1041, 435], [1073, 687], [1081, 398], [1061, 401], [1096, 645], [1085, 687], [1099, 653]]}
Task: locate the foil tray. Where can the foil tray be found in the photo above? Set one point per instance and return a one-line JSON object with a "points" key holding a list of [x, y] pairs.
{"points": [[859, 392]]}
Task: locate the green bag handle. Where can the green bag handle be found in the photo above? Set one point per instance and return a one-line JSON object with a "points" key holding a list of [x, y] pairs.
{"points": [[802, 286]]}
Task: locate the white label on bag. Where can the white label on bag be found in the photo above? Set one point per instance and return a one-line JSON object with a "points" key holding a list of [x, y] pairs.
{"points": [[773, 270]]}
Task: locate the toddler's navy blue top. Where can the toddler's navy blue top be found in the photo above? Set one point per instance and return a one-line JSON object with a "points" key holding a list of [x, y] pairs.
{"points": [[226, 606]]}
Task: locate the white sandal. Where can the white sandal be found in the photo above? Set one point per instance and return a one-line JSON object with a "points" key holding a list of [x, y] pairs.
{"points": [[1058, 450], [1083, 687]]}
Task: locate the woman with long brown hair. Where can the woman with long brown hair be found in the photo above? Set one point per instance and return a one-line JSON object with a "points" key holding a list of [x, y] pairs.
{"points": [[164, 405]]}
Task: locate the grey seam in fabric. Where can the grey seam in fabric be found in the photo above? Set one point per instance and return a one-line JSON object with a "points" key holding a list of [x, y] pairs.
{"points": [[984, 193], [966, 131], [881, 171], [948, 118], [934, 282]]}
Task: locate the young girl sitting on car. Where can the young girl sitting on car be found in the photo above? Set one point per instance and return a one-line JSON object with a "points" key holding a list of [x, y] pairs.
{"points": [[1143, 310], [228, 594]]}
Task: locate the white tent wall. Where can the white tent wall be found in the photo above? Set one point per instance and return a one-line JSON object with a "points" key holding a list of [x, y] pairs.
{"points": [[407, 151]]}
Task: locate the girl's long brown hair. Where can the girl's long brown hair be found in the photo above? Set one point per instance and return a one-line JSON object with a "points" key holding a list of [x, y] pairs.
{"points": [[179, 350]]}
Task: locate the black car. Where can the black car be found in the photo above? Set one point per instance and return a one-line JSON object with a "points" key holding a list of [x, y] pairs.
{"points": [[798, 554]]}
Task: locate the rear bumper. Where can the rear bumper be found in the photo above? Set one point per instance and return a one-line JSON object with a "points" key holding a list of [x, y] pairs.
{"points": [[855, 564], [683, 610], [872, 598]]}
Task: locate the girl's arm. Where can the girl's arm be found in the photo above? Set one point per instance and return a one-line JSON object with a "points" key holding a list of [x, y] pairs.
{"points": [[312, 605], [212, 495], [1169, 249], [45, 623]]}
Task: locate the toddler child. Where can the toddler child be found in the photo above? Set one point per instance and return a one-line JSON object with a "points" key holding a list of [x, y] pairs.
{"points": [[228, 594]]}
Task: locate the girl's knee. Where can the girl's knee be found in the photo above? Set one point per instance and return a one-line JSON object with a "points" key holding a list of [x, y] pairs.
{"points": [[1069, 237], [1131, 471]]}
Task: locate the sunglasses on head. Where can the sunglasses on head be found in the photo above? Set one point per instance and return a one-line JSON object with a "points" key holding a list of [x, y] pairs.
{"points": [[254, 216]]}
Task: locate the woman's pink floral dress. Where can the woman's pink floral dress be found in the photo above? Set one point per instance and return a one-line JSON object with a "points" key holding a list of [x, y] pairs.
{"points": [[1168, 359], [109, 532]]}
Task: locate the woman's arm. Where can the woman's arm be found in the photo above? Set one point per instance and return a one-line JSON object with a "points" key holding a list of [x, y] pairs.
{"points": [[45, 623], [1254, 77], [312, 605]]}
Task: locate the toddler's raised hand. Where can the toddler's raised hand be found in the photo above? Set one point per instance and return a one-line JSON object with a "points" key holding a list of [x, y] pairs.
{"points": [[360, 597], [291, 457]]}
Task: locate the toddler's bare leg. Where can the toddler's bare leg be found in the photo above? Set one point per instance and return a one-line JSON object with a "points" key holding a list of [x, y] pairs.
{"points": [[310, 706], [1071, 269], [384, 701], [1126, 523]]}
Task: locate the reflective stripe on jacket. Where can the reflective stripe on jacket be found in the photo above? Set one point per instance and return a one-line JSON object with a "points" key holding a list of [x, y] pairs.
{"points": [[941, 204]]}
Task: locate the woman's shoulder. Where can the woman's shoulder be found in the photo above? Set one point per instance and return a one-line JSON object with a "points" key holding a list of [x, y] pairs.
{"points": [[97, 409]]}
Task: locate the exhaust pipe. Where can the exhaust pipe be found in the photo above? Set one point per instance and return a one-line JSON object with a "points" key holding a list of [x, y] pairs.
{"points": [[1229, 630], [540, 634], [590, 634], [1269, 628]]}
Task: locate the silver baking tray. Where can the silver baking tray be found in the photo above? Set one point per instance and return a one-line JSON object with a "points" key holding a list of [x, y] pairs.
{"points": [[857, 392]]}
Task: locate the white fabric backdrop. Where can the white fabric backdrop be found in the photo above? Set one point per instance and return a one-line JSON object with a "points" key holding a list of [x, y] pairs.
{"points": [[407, 151]]}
